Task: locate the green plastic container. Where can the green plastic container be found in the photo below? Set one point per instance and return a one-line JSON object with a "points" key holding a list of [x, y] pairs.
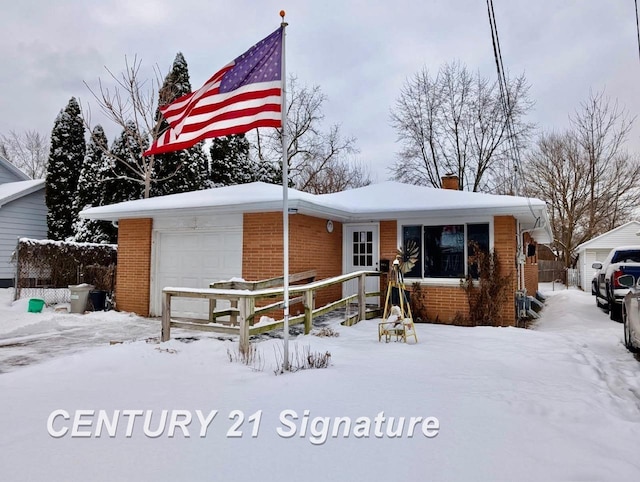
{"points": [[35, 305]]}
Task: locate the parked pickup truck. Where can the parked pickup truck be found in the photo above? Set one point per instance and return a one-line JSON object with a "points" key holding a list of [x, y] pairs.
{"points": [[623, 260]]}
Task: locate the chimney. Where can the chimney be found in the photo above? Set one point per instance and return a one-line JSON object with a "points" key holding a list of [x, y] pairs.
{"points": [[450, 181]]}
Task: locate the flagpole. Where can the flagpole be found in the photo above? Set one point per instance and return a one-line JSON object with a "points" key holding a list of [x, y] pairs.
{"points": [[285, 198]]}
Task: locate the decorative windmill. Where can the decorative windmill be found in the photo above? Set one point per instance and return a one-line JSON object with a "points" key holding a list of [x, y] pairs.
{"points": [[408, 256], [397, 317]]}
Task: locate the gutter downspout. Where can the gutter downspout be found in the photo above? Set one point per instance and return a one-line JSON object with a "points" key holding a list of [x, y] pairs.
{"points": [[519, 257]]}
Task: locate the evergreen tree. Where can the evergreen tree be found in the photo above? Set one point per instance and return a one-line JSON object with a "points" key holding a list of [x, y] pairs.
{"points": [[65, 160], [231, 163], [120, 182], [184, 170], [91, 189], [90, 180]]}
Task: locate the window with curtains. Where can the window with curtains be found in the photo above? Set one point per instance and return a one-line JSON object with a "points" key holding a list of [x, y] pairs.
{"points": [[446, 251]]}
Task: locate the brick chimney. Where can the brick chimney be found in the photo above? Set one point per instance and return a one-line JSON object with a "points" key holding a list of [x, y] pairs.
{"points": [[450, 181]]}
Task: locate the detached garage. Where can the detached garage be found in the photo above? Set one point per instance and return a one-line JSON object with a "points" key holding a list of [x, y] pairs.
{"points": [[598, 248]]}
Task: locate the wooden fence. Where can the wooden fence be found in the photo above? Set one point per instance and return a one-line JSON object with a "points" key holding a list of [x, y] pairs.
{"points": [[244, 311], [549, 271], [555, 271]]}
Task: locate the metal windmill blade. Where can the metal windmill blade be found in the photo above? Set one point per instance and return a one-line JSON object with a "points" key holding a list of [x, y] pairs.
{"points": [[408, 256]]}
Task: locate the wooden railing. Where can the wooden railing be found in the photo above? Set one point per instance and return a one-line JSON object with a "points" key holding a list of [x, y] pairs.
{"points": [[244, 309], [232, 312]]}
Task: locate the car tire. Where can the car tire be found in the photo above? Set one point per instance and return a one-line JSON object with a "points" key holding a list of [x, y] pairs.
{"points": [[602, 306], [625, 328], [615, 312]]}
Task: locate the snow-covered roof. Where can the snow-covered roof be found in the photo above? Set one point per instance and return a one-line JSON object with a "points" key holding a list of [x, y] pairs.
{"points": [[11, 191], [19, 173], [252, 197], [623, 234], [386, 200]]}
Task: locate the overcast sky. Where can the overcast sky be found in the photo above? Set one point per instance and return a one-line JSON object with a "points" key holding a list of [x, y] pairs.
{"points": [[359, 52]]}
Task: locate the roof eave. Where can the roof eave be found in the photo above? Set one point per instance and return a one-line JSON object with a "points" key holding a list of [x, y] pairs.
{"points": [[309, 208], [23, 193], [300, 206]]}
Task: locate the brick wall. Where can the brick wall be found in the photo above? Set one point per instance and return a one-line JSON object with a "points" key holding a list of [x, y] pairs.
{"points": [[134, 265], [504, 242], [388, 240], [388, 250], [531, 278], [310, 247]]}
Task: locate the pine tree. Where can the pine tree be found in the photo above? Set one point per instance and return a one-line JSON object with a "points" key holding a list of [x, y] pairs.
{"points": [[91, 187], [89, 180], [184, 170], [65, 160], [231, 163], [230, 160], [120, 182]]}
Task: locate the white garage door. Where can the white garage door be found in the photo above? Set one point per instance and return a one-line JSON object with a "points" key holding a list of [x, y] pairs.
{"points": [[190, 259]]}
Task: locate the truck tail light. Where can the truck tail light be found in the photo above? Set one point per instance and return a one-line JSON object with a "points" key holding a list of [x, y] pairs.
{"points": [[615, 278]]}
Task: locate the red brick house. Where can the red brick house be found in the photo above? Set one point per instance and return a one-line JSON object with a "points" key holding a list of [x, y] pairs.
{"points": [[192, 239]]}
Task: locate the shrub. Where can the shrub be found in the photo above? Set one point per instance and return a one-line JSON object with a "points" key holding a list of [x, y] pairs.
{"points": [[418, 308], [250, 357], [57, 264], [301, 361], [487, 295]]}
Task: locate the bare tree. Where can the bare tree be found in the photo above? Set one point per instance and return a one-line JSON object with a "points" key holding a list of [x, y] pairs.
{"points": [[338, 177], [133, 106], [28, 151], [455, 123], [601, 128], [586, 176], [557, 173], [319, 161]]}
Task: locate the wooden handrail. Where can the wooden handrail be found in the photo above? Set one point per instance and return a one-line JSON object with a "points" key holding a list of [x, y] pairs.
{"points": [[267, 283], [244, 301]]}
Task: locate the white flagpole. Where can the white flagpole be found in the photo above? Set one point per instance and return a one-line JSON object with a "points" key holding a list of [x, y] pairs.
{"points": [[285, 198]]}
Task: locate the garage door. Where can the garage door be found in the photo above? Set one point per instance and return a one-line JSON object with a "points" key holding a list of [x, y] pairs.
{"points": [[190, 259]]}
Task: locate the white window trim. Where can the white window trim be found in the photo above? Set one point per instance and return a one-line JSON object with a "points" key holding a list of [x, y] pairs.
{"points": [[441, 222]]}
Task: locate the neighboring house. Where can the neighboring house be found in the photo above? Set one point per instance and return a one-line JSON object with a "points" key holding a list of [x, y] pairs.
{"points": [[23, 213], [192, 239], [598, 248]]}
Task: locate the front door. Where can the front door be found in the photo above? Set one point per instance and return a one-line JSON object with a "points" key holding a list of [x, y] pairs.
{"points": [[361, 253]]}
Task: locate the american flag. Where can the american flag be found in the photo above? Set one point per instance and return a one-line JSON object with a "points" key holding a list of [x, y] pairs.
{"points": [[244, 94]]}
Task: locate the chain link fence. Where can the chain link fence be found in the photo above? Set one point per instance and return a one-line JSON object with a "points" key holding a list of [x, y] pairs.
{"points": [[45, 269]]}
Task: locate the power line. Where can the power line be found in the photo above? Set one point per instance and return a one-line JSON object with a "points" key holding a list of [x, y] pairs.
{"points": [[506, 104], [504, 92], [637, 27]]}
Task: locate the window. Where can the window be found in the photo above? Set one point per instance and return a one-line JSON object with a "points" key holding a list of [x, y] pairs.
{"points": [[363, 248], [445, 250], [413, 233]]}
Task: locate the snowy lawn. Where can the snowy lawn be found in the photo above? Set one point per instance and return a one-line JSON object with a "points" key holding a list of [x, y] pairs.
{"points": [[557, 402]]}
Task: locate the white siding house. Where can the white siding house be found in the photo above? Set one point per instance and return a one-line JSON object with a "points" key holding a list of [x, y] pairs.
{"points": [[23, 214], [598, 248]]}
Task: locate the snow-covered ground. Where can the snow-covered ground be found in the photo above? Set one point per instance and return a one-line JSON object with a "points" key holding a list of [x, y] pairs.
{"points": [[560, 401]]}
